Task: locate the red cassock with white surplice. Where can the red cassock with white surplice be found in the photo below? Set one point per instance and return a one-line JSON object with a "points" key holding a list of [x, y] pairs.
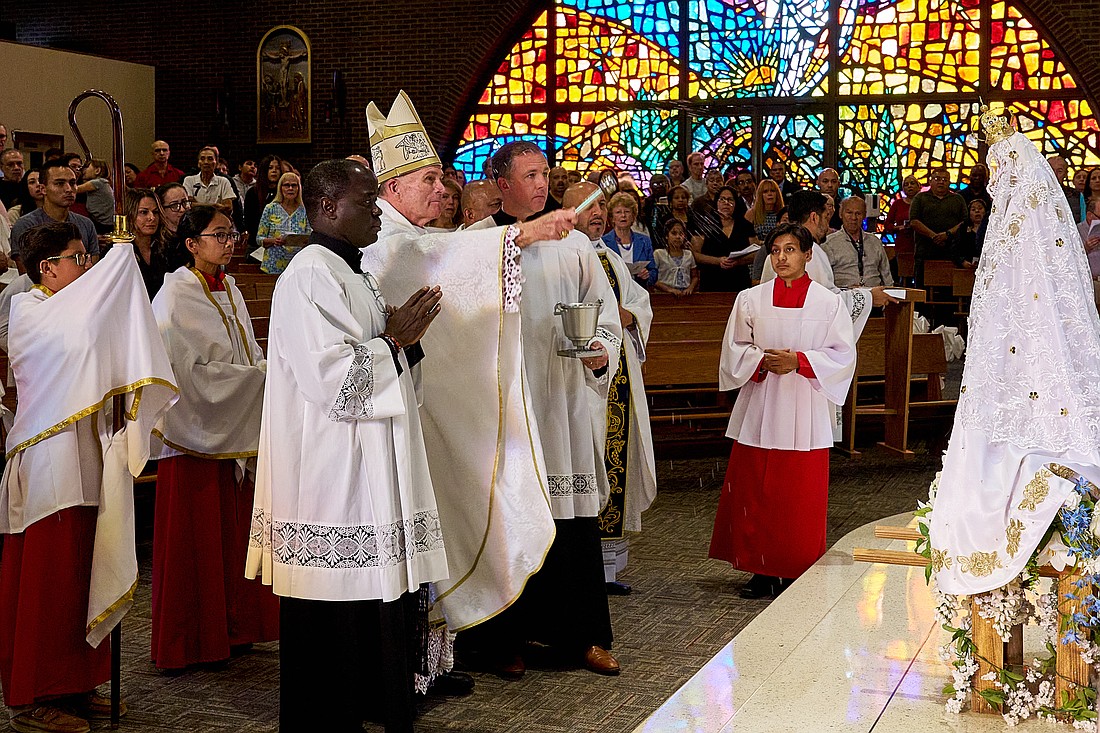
{"points": [[771, 515]]}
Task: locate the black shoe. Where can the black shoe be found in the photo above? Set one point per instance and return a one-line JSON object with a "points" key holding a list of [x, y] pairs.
{"points": [[452, 684], [615, 588], [759, 586], [782, 584]]}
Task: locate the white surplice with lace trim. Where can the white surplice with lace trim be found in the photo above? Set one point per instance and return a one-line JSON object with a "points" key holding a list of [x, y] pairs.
{"points": [[1030, 395], [344, 506], [483, 445]]}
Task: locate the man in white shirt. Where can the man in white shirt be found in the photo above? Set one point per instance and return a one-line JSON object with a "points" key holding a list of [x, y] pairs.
{"points": [[206, 187], [857, 257]]}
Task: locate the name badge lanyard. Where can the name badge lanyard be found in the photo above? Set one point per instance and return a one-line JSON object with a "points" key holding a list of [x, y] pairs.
{"points": [[858, 246]]}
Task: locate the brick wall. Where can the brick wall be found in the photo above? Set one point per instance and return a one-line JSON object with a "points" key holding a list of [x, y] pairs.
{"points": [[200, 48], [437, 51]]}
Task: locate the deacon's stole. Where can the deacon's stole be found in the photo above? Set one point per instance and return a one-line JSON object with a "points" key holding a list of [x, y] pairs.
{"points": [[613, 515]]}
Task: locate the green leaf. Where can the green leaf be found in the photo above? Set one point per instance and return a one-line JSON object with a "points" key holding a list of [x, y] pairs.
{"points": [[949, 689], [993, 696], [928, 573]]}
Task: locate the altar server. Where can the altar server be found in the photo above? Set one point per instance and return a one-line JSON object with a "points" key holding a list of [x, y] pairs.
{"points": [[789, 346], [345, 526], [203, 606], [69, 566]]}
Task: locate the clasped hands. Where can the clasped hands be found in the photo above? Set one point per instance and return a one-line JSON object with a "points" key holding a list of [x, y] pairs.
{"points": [[780, 361], [407, 324]]}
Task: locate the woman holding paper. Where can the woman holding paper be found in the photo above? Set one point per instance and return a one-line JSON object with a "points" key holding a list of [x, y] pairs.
{"points": [[725, 255], [635, 248], [284, 228]]}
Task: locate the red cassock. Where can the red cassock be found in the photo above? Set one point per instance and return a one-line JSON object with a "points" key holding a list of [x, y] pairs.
{"points": [[45, 575], [771, 515], [772, 512], [202, 603]]}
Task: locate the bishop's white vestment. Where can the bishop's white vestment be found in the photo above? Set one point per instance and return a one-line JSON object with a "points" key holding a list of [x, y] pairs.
{"points": [[479, 424], [344, 503]]}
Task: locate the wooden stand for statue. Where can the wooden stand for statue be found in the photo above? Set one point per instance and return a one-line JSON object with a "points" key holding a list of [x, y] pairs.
{"points": [[991, 651]]}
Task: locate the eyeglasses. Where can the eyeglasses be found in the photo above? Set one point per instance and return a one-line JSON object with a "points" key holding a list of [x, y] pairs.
{"points": [[82, 259], [223, 237], [725, 200], [940, 178], [178, 205]]}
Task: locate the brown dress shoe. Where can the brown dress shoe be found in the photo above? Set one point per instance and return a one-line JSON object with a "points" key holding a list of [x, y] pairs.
{"points": [[48, 719], [95, 706], [510, 668], [599, 660]]}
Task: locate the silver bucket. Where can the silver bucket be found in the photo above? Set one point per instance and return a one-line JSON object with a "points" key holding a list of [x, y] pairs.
{"points": [[579, 321]]}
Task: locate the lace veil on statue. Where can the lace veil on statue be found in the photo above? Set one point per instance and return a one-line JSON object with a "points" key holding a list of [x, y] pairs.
{"points": [[1029, 405]]}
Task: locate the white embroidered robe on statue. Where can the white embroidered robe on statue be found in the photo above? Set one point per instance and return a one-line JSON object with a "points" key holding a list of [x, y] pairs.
{"points": [[1030, 395], [568, 271], [788, 411], [483, 444], [219, 369], [71, 353], [344, 503], [641, 476]]}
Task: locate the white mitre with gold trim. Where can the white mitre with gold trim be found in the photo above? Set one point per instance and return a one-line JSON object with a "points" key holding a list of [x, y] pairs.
{"points": [[398, 142]]}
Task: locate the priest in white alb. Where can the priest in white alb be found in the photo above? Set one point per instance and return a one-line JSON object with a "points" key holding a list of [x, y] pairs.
{"points": [[628, 452], [345, 526], [790, 350], [69, 566]]}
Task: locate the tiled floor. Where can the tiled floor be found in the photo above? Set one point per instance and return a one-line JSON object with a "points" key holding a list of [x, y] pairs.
{"points": [[684, 610]]}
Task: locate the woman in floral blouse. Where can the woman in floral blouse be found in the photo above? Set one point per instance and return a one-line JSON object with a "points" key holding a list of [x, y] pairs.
{"points": [[285, 215]]}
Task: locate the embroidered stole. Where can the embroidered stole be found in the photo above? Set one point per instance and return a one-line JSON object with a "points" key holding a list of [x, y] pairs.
{"points": [[618, 430]]}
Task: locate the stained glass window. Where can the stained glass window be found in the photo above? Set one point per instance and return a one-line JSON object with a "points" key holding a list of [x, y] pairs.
{"points": [[636, 83]]}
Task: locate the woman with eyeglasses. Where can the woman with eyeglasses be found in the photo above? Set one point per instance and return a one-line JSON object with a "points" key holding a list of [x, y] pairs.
{"points": [[731, 233], [283, 216], [203, 607], [143, 215], [174, 202]]}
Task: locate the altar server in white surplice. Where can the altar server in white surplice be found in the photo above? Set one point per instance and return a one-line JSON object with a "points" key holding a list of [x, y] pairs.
{"points": [[628, 452], [565, 603], [69, 566], [345, 526], [483, 447], [790, 349], [203, 606]]}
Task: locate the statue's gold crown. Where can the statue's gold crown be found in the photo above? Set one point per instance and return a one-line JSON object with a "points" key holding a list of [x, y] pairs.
{"points": [[996, 126]]}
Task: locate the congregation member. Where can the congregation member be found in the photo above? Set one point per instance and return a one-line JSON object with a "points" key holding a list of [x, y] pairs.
{"points": [[828, 183], [1060, 167], [173, 203], [777, 171], [897, 219], [32, 195], [160, 171], [976, 186], [674, 172], [203, 607], [99, 197], [936, 216], [284, 216], [244, 179], [448, 219], [479, 199], [345, 527], [857, 257], [69, 568], [634, 248], [789, 350], [11, 165], [679, 208], [557, 181], [706, 204], [485, 467], [268, 172], [764, 216], [564, 605], [745, 185], [131, 173], [143, 215], [59, 196], [676, 270], [731, 233], [655, 207], [207, 186], [694, 183], [628, 447], [1089, 230], [967, 246]]}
